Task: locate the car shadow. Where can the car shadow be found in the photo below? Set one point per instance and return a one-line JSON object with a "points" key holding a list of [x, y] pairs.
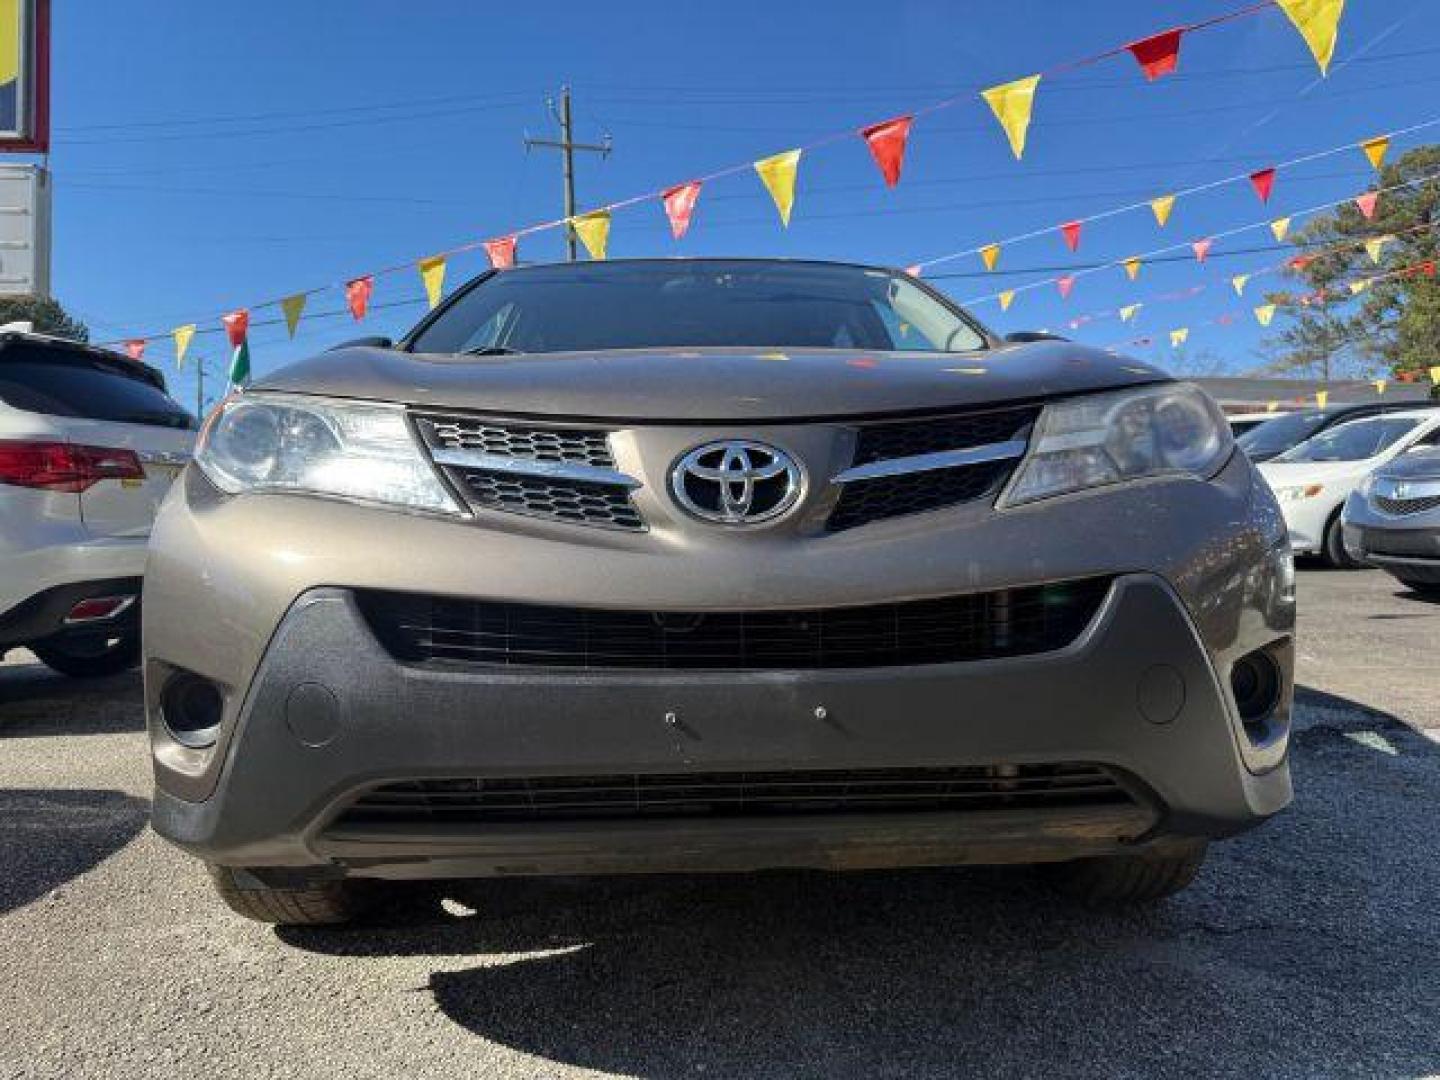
{"points": [[35, 701], [48, 837], [1297, 952]]}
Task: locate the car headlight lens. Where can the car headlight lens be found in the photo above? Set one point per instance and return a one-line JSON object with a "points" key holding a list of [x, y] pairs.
{"points": [[274, 442], [1086, 442], [1298, 493]]}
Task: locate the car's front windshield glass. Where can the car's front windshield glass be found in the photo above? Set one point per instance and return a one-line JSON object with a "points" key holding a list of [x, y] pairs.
{"points": [[1278, 435], [1355, 441], [704, 303]]}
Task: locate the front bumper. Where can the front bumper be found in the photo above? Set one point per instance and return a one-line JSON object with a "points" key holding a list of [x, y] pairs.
{"points": [[1407, 546], [331, 716]]}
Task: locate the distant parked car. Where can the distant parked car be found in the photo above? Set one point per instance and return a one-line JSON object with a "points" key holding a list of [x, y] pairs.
{"points": [[89, 443], [1393, 520], [1313, 480], [1275, 437], [1240, 423]]}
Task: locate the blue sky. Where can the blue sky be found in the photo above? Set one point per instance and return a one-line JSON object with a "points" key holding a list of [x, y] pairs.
{"points": [[210, 156]]}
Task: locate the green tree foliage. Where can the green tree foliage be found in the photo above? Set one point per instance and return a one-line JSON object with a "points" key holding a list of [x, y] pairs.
{"points": [[47, 315], [1393, 325]]}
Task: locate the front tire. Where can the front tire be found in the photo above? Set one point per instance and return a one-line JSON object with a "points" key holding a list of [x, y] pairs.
{"points": [[322, 903], [1335, 553], [1131, 877], [90, 658]]}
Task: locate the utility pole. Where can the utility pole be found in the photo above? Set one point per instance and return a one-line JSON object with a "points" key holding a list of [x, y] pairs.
{"points": [[567, 146]]}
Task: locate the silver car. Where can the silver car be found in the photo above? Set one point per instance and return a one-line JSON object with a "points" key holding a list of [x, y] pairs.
{"points": [[1393, 520], [713, 565]]}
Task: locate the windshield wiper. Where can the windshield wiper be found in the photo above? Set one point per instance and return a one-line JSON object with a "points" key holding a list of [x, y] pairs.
{"points": [[493, 350]]}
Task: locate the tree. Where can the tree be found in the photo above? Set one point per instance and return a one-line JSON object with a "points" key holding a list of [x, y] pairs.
{"points": [[47, 315], [1394, 323]]}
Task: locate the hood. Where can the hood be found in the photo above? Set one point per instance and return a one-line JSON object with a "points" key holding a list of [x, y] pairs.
{"points": [[722, 385], [1284, 473], [1416, 465]]}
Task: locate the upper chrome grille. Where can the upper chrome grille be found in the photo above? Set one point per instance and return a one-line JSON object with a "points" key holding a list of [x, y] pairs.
{"points": [[560, 474], [909, 466], [579, 446]]}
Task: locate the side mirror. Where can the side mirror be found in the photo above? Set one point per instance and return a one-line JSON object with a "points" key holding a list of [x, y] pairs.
{"points": [[377, 342], [1024, 337]]}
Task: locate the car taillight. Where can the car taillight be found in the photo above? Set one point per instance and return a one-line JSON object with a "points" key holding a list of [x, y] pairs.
{"points": [[58, 466]]}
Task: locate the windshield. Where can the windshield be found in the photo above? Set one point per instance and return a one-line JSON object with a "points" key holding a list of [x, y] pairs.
{"points": [[1278, 435], [716, 303], [1355, 441]]}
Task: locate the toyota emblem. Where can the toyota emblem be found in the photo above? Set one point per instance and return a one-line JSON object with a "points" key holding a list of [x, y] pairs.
{"points": [[737, 482]]}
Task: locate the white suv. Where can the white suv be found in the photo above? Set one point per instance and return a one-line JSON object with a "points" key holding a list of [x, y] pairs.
{"points": [[89, 443]]}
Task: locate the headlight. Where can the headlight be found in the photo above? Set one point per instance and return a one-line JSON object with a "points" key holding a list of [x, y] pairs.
{"points": [[275, 442], [1086, 442], [1298, 493]]}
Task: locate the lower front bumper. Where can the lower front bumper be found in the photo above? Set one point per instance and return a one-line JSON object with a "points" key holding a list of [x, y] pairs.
{"points": [[331, 716]]}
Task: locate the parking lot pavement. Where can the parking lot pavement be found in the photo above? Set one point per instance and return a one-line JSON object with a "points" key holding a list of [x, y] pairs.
{"points": [[1307, 948]]}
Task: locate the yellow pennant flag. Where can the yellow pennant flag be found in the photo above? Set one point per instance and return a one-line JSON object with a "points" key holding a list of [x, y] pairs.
{"points": [[1375, 150], [990, 255], [1322, 398], [593, 229], [1012, 103], [1177, 337], [1280, 226], [1162, 207], [1128, 312], [1271, 406], [182, 336], [1357, 287], [1132, 266], [1264, 313], [1435, 374], [1374, 247], [1380, 385], [432, 273], [1238, 282], [1006, 299], [292, 306], [1319, 24], [778, 175]]}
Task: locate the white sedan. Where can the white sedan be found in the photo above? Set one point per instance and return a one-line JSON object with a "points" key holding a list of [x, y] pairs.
{"points": [[1313, 480]]}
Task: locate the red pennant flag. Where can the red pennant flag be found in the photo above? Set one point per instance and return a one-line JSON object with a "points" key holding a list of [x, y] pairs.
{"points": [[1065, 284], [1201, 249], [135, 348], [1428, 268], [679, 205], [357, 295], [501, 253], [1157, 55], [1299, 262], [887, 146], [1366, 203], [237, 326], [1071, 230], [1264, 183]]}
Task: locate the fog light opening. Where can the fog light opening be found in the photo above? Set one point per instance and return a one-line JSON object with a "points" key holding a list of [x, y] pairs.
{"points": [[1256, 682], [191, 708]]}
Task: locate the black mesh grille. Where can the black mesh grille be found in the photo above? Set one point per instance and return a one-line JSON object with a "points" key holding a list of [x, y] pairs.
{"points": [[734, 794], [1010, 622], [575, 446], [906, 438], [1408, 506], [578, 501], [864, 501]]}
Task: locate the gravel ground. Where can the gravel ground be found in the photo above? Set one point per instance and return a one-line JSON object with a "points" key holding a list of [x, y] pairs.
{"points": [[1308, 948]]}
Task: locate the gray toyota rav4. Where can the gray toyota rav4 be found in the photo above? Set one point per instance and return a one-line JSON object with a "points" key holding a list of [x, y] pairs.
{"points": [[712, 565]]}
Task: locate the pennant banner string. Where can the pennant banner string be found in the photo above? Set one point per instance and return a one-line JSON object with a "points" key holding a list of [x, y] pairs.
{"points": [[963, 96]]}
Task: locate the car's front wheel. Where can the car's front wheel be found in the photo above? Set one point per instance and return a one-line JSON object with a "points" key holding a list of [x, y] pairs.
{"points": [[319, 903], [1132, 877], [91, 658], [1335, 553]]}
